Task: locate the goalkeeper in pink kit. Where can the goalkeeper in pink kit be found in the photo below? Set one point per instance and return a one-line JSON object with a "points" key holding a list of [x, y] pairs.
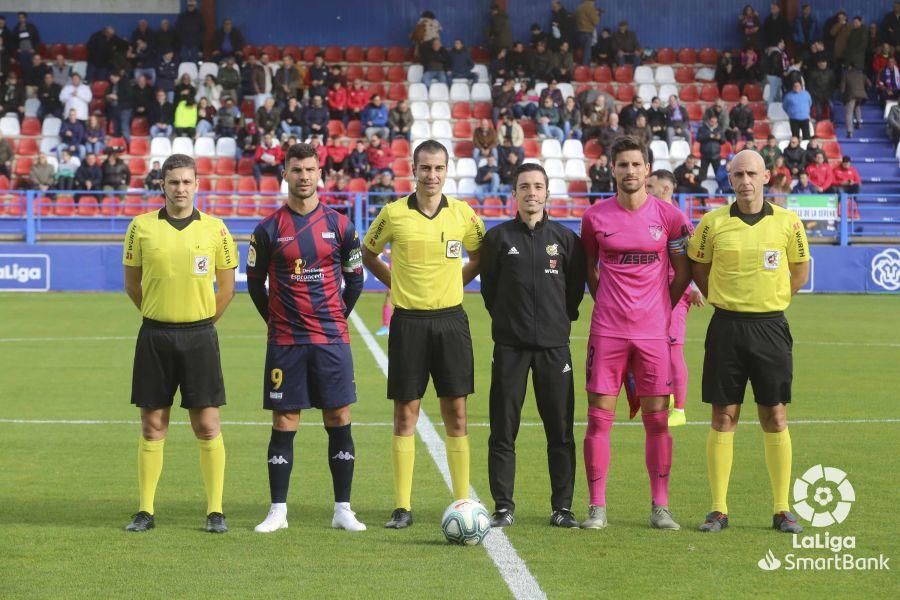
{"points": [[630, 241]]}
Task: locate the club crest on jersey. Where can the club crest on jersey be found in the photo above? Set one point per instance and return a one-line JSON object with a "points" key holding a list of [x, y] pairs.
{"points": [[251, 256], [552, 250], [454, 249], [298, 266], [656, 232], [201, 265]]}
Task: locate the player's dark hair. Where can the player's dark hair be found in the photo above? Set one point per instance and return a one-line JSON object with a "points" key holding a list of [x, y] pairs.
{"points": [[628, 143], [430, 147], [300, 152], [178, 161], [665, 174], [528, 168]]}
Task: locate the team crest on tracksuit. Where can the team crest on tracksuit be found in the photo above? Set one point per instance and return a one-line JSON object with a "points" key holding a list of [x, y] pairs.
{"points": [[656, 232]]}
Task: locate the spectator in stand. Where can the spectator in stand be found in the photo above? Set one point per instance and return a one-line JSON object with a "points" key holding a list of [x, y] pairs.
{"points": [[143, 33], [28, 40], [315, 119], [48, 95], [679, 124], [601, 177], [374, 118], [6, 156], [749, 23], [543, 63], [247, 141], [36, 75], [268, 158], [770, 151], [727, 72], [710, 138], [629, 113], [511, 136], [854, 91], [538, 35], [641, 131], [65, 172], [94, 137], [119, 105], [484, 141], [603, 52], [116, 175], [487, 179], [778, 189], [751, 70], [751, 145], [184, 120], [587, 17], [287, 82], [59, 68], [210, 90], [268, 117], [820, 85], [41, 175], [888, 82], [499, 34], [190, 28], [461, 63], [564, 63], [292, 118], [166, 37], [571, 119], [166, 72], [518, 62], [89, 175], [503, 99], [718, 110], [821, 175], [595, 117], [778, 167], [656, 119], [881, 58], [687, 175], [227, 41], [507, 165], [626, 45], [358, 162], [610, 133], [803, 186], [846, 177], [797, 104], [143, 99], [383, 187], [206, 118], [100, 48], [337, 101], [318, 75], [813, 149], [775, 68], [723, 183], [253, 80], [268, 75], [162, 116], [548, 121], [427, 30], [838, 32], [890, 26], [379, 155], [357, 99], [71, 136], [76, 96], [435, 63], [775, 27], [143, 60], [740, 121], [794, 74], [497, 67], [336, 152], [562, 25], [400, 120], [154, 178], [893, 124], [230, 80], [184, 88], [857, 44], [806, 27], [228, 120]]}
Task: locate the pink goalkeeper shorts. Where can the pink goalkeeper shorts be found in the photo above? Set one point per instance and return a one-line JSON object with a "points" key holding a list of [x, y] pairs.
{"points": [[609, 359]]}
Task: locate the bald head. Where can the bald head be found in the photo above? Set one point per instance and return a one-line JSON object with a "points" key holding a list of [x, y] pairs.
{"points": [[748, 176], [751, 157]]}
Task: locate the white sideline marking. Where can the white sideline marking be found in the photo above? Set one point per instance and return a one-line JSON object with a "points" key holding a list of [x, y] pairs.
{"points": [[512, 568]]}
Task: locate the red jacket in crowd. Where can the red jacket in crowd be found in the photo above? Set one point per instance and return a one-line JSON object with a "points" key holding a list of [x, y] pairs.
{"points": [[380, 157], [357, 99], [275, 151], [821, 176], [846, 176], [337, 99]]}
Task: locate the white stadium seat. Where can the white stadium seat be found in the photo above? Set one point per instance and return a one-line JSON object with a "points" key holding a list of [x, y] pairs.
{"points": [[466, 187], [459, 92], [539, 87], [664, 74], [666, 90], [52, 160], [887, 108], [557, 187], [566, 89], [710, 186], [183, 145], [776, 112], [420, 130], [208, 68], [9, 126], [531, 161], [31, 107], [205, 146], [438, 91], [482, 72], [550, 148], [680, 150], [661, 164], [646, 92], [465, 167], [189, 68], [781, 130], [448, 144], [80, 67], [451, 168], [440, 111], [441, 129], [420, 110], [643, 74], [554, 168], [160, 146], [414, 74], [660, 150], [51, 126], [481, 92], [575, 169], [48, 143], [573, 149], [226, 146], [417, 92], [449, 186]]}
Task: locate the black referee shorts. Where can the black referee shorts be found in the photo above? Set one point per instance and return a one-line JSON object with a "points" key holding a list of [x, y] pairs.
{"points": [[172, 355], [742, 346], [430, 342]]}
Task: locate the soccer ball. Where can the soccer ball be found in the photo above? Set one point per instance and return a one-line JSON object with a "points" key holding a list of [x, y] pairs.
{"points": [[465, 522]]}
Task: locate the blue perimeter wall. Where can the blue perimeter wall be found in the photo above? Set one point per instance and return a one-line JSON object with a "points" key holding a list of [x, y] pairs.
{"points": [[658, 23], [98, 267]]}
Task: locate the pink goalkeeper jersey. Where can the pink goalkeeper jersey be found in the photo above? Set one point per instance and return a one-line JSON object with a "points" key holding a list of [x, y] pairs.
{"points": [[632, 249]]}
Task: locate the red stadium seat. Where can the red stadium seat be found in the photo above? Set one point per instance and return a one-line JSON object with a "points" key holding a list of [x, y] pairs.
{"points": [[760, 110], [309, 53], [687, 56], [462, 130], [224, 184], [97, 105], [355, 72], [221, 206], [624, 74], [593, 149], [396, 74], [688, 93], [87, 206], [602, 74], [559, 208], [57, 49], [397, 92], [400, 148], [475, 203], [731, 93], [529, 128], [832, 150], [695, 111], [269, 184], [582, 74], [4, 182], [140, 127], [27, 147], [225, 167], [532, 148], [358, 184], [354, 129], [709, 92], [335, 54], [248, 108], [480, 54], [684, 75], [246, 184], [31, 126], [203, 185], [64, 207], [98, 88], [139, 146], [825, 130], [292, 51], [245, 166], [78, 52], [709, 56], [726, 149], [577, 187], [481, 110], [246, 206], [492, 208], [461, 110], [665, 56], [354, 54], [267, 206], [396, 54], [401, 167], [463, 149], [44, 207], [761, 131], [375, 88], [133, 206], [375, 54], [753, 92], [403, 186], [272, 50], [624, 93], [250, 50], [109, 206], [579, 206], [204, 165], [335, 128], [138, 167], [375, 74], [23, 166], [606, 88]]}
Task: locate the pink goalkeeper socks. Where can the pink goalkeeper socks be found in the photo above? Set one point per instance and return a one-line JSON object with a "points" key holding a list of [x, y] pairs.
{"points": [[386, 312], [596, 453], [658, 454], [679, 375]]}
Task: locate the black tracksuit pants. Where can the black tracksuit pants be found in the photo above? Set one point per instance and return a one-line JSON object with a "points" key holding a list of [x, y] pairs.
{"points": [[551, 376]]}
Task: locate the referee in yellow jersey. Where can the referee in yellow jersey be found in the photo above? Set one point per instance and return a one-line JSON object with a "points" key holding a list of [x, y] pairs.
{"points": [[429, 332], [748, 259], [172, 259]]}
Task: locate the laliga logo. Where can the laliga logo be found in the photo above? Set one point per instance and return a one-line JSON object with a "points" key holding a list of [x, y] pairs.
{"points": [[21, 274], [886, 269], [823, 496]]}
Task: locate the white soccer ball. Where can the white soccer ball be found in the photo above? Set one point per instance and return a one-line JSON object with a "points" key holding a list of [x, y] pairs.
{"points": [[466, 522]]}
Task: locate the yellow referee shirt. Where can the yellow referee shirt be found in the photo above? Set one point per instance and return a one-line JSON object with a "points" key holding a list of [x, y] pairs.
{"points": [[749, 270], [178, 266], [426, 252]]}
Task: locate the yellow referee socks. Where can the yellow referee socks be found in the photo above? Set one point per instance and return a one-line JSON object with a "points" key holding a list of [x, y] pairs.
{"points": [[719, 455], [403, 458], [212, 465], [150, 463], [458, 461], [778, 460]]}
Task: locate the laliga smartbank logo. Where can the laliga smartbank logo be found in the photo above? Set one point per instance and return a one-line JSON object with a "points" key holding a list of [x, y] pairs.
{"points": [[823, 497]]}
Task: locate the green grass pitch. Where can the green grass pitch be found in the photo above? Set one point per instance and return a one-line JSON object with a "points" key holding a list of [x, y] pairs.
{"points": [[66, 490]]}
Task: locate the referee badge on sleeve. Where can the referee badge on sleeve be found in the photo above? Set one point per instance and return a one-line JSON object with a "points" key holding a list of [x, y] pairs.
{"points": [[454, 249]]}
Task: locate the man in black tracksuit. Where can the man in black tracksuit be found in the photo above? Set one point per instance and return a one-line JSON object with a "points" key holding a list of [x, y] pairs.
{"points": [[532, 280]]}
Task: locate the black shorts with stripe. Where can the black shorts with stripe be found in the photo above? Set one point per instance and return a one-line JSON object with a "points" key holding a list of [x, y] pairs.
{"points": [[430, 342], [169, 356], [747, 346]]}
